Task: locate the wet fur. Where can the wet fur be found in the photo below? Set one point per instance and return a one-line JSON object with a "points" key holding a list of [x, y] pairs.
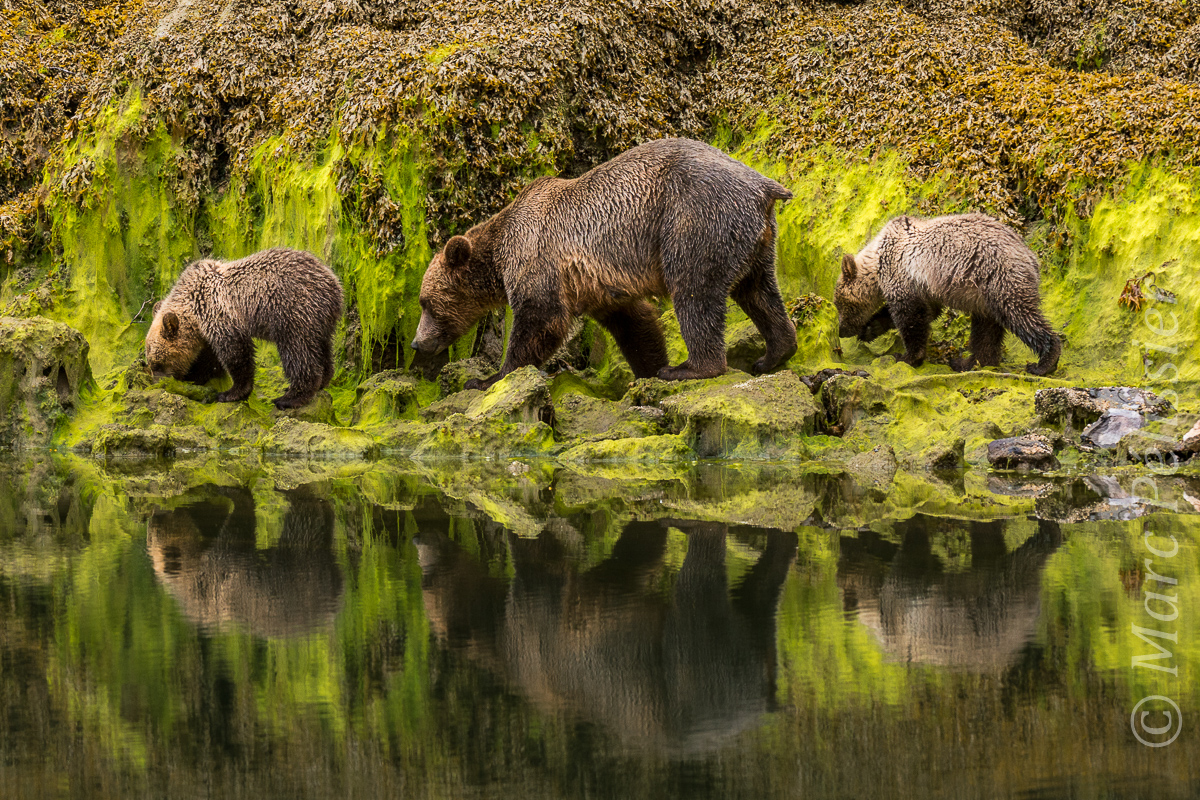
{"points": [[208, 323], [968, 262], [670, 217]]}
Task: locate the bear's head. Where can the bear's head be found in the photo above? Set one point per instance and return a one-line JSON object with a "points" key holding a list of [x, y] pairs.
{"points": [[457, 290], [173, 343], [857, 295]]}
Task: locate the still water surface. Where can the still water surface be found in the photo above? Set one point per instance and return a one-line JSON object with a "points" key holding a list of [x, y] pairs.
{"points": [[393, 630]]}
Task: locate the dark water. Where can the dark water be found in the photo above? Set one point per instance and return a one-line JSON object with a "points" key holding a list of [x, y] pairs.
{"points": [[282, 629]]}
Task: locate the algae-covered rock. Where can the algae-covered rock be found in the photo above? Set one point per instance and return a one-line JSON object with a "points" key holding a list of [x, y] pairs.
{"points": [[943, 453], [124, 440], [668, 447], [457, 403], [318, 409], [294, 437], [43, 366], [1022, 453], [1164, 440], [848, 398], [385, 396], [521, 396], [582, 418], [744, 345], [753, 418], [454, 376]]}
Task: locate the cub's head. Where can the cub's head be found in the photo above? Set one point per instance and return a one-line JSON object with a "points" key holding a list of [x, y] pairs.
{"points": [[173, 343], [857, 295], [455, 294]]}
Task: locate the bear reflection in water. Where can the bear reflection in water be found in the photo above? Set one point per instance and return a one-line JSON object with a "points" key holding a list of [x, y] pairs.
{"points": [[205, 554], [979, 619], [683, 668]]}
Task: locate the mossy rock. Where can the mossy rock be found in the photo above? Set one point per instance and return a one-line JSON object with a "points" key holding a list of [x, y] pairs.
{"points": [[668, 447], [848, 398], [318, 409], [744, 345], [314, 439], [384, 397], [874, 468], [761, 417], [521, 396], [457, 403], [945, 452], [454, 376], [123, 440], [43, 367], [586, 419]]}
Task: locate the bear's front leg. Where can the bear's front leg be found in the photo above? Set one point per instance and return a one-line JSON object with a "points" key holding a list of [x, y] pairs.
{"points": [[912, 319], [236, 354], [536, 333]]}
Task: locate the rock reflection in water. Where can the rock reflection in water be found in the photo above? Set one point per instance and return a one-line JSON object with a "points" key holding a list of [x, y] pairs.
{"points": [[978, 619], [683, 670], [204, 552]]}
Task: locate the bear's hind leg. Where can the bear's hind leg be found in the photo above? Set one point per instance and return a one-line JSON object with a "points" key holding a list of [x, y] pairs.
{"points": [[1028, 324], [638, 333], [304, 366], [758, 295], [987, 337]]}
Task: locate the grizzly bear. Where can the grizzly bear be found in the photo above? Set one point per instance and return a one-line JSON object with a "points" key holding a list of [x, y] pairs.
{"points": [[208, 323], [670, 217], [968, 262]]}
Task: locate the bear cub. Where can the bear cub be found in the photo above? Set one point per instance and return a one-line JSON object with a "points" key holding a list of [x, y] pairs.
{"points": [[208, 323], [670, 217], [968, 262]]}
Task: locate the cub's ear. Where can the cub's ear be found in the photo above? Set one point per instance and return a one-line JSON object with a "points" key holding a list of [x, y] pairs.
{"points": [[170, 325], [157, 306], [458, 252], [849, 268]]}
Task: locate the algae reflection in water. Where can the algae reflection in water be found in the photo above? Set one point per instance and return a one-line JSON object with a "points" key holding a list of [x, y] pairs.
{"points": [[217, 628]]}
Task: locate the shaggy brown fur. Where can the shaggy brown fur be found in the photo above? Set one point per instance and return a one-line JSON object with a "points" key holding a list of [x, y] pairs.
{"points": [[672, 216], [216, 310], [968, 262]]}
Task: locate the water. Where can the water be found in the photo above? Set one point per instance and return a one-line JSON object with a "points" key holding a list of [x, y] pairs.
{"points": [[288, 629]]}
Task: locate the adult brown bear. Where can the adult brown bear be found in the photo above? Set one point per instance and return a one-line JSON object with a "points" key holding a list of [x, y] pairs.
{"points": [[670, 217]]}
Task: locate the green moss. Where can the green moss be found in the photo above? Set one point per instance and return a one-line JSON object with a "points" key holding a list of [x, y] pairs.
{"points": [[667, 447]]}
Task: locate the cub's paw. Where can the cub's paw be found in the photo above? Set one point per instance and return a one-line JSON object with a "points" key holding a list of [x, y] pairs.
{"points": [[1037, 369], [289, 402], [483, 384], [231, 396]]}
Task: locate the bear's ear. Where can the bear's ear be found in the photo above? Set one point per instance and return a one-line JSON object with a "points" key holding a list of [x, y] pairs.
{"points": [[849, 268], [458, 252], [170, 325]]}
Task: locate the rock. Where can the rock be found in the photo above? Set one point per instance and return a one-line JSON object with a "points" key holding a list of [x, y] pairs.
{"points": [[817, 380], [755, 418], [743, 346], [1081, 407], [1191, 439], [945, 453], [460, 436], [1022, 453], [384, 397], [583, 418], [318, 409], [294, 437], [457, 403], [521, 396], [43, 367], [124, 440], [645, 449], [1113, 424], [454, 375], [848, 398]]}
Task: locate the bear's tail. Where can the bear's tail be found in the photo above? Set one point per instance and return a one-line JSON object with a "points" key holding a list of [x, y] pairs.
{"points": [[776, 192]]}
